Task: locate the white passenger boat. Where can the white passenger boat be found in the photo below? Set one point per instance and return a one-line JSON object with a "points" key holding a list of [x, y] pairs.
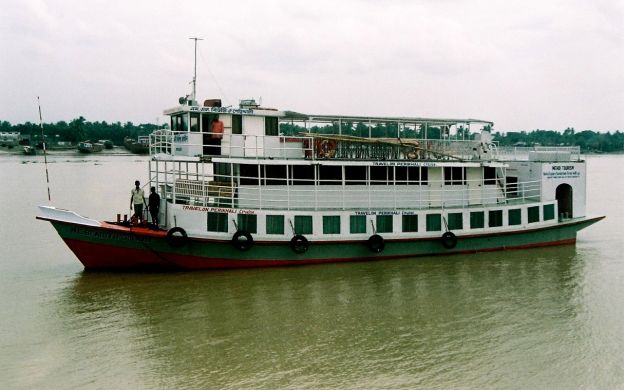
{"points": [[273, 187]]}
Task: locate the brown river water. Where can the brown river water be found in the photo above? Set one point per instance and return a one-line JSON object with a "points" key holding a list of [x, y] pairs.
{"points": [[534, 319]]}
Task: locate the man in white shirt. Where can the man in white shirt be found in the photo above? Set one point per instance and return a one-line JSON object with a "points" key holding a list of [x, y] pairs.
{"points": [[137, 198]]}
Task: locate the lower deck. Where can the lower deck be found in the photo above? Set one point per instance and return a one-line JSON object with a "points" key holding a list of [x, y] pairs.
{"points": [[347, 225]]}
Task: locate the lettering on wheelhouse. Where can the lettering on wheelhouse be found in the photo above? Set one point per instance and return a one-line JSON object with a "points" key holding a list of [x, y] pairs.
{"points": [[108, 235]]}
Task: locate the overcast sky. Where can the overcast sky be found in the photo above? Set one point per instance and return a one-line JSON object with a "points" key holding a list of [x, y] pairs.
{"points": [[524, 64]]}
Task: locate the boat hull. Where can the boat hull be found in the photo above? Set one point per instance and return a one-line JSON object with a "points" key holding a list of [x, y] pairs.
{"points": [[114, 247]]}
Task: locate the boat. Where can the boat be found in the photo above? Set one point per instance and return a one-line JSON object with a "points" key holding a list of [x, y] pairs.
{"points": [[29, 150], [140, 145], [277, 188], [90, 147], [108, 144]]}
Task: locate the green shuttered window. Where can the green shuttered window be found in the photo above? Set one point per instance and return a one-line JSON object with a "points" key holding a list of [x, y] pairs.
{"points": [[248, 222], [410, 223], [495, 218], [515, 217], [217, 222], [331, 224], [477, 219], [533, 214], [384, 224], [275, 224], [455, 221], [434, 222], [357, 224], [303, 224], [549, 212]]}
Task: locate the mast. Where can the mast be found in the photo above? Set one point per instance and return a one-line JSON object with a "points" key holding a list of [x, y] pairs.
{"points": [[195, 68]]}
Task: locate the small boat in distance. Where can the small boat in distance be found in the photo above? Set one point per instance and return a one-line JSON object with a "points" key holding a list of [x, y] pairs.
{"points": [[90, 147], [137, 146], [108, 144], [29, 150]]}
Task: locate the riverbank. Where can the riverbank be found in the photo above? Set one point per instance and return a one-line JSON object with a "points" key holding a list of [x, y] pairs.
{"points": [[115, 151]]}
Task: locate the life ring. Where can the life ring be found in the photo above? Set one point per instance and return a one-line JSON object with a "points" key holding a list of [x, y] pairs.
{"points": [[299, 244], [449, 240], [242, 240], [376, 243], [177, 237]]}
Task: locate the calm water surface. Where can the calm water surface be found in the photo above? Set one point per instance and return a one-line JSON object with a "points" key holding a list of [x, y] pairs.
{"points": [[535, 319]]}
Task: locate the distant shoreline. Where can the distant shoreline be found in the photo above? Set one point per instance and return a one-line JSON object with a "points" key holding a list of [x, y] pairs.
{"points": [[115, 151]]}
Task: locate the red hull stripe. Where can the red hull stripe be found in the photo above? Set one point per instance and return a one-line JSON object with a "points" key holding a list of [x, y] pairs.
{"points": [[101, 256]]}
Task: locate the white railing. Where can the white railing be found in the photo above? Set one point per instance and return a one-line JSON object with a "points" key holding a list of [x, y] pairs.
{"points": [[199, 144], [222, 191], [537, 153]]}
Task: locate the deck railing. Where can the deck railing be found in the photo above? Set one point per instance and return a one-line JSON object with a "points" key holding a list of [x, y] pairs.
{"points": [[222, 191], [315, 146]]}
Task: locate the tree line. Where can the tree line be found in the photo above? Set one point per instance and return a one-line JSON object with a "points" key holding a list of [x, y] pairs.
{"points": [[80, 129]]}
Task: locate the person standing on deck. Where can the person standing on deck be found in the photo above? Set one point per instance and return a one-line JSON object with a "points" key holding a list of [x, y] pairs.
{"points": [[154, 205], [137, 198], [216, 129]]}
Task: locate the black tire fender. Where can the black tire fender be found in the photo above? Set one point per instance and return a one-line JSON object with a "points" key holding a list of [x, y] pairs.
{"points": [[177, 237], [449, 240], [376, 243], [299, 244], [242, 240]]}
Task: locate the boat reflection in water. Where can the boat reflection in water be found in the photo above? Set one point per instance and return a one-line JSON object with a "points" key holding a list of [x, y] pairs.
{"points": [[477, 321]]}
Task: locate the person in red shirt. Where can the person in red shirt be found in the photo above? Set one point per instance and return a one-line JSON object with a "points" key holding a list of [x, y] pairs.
{"points": [[216, 130]]}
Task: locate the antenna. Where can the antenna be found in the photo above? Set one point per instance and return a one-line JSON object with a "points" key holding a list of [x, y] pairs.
{"points": [[45, 157], [195, 67]]}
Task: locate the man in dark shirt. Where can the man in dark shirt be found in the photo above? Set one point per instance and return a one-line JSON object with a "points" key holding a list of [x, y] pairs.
{"points": [[154, 205]]}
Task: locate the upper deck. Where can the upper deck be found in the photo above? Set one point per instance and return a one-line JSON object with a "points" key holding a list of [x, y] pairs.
{"points": [[254, 132]]}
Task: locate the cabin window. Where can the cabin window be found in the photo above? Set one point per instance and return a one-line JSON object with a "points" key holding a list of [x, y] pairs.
{"points": [[455, 221], [477, 220], [381, 175], [270, 125], [331, 224], [179, 122], [275, 224], [217, 222], [454, 176], [409, 175], [434, 222], [533, 214], [549, 212], [237, 124], [495, 218], [303, 224], [384, 224], [515, 217], [330, 175], [357, 224], [248, 222], [195, 122], [355, 175], [303, 175], [410, 223], [489, 176], [248, 175], [275, 175]]}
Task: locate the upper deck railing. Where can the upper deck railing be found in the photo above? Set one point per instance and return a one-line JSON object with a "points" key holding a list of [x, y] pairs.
{"points": [[315, 146], [539, 153]]}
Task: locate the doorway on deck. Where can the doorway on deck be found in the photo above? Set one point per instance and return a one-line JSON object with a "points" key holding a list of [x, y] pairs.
{"points": [[563, 194]]}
